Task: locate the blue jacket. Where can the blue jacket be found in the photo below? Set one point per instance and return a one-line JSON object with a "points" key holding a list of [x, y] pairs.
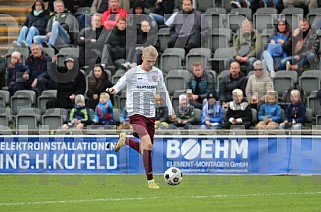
{"points": [[297, 112], [280, 35], [272, 111], [215, 113], [104, 115]]}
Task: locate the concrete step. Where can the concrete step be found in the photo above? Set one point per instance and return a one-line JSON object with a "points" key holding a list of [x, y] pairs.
{"points": [[11, 31], [7, 20], [14, 11]]}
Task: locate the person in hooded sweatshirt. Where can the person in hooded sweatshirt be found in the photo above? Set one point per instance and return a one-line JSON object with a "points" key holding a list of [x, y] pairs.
{"points": [[104, 111], [35, 24], [184, 112]]}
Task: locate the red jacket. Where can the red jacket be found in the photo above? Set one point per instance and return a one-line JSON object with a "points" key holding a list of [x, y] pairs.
{"points": [[107, 22]]}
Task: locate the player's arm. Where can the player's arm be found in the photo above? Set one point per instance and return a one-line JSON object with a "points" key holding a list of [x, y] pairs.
{"points": [[122, 82]]}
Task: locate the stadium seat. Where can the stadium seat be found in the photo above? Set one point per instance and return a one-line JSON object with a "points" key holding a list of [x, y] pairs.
{"points": [[198, 55], [176, 80], [4, 98], [292, 15], [163, 37], [237, 16], [314, 104], [25, 53], [45, 96], [310, 81], [218, 59], [171, 59], [219, 38], [5, 116], [283, 80], [29, 117], [54, 117], [264, 18], [220, 76], [49, 51], [22, 99], [216, 17]]}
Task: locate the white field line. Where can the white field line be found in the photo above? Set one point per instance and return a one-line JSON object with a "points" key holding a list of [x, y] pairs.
{"points": [[159, 198]]}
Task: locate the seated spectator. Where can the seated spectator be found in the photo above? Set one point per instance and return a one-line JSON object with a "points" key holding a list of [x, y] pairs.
{"points": [[282, 33], [68, 4], [255, 4], [212, 113], [17, 73], [59, 28], [91, 41], [71, 82], [137, 16], [295, 113], [114, 52], [110, 17], [239, 111], [303, 46], [79, 115], [201, 84], [161, 113], [235, 79], [124, 120], [104, 111], [97, 6], [257, 85], [159, 9], [300, 3], [35, 24], [189, 28], [270, 112], [97, 83], [246, 46], [185, 115], [38, 77]]}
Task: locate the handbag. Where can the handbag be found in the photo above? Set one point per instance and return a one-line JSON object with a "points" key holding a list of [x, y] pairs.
{"points": [[244, 50], [275, 50]]}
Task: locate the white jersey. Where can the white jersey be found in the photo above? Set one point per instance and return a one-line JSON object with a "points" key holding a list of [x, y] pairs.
{"points": [[141, 89]]}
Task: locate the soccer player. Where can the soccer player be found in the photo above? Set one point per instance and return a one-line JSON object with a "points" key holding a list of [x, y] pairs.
{"points": [[141, 83]]}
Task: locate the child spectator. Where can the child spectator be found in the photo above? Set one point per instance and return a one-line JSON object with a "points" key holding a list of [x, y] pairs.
{"points": [[184, 112], [79, 116], [295, 112], [239, 111], [270, 112], [212, 113], [161, 117], [18, 73], [104, 110], [124, 120]]}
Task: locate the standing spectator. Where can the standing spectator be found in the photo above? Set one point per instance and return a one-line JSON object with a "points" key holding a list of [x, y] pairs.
{"points": [[114, 52], [159, 9], [35, 24], [38, 77], [104, 111], [111, 16], [303, 45], [185, 113], [71, 82], [201, 84], [79, 115], [282, 33], [91, 41], [299, 3], [239, 111], [68, 3], [17, 73], [235, 79], [212, 113], [270, 112], [189, 28], [257, 85], [246, 46], [295, 112], [97, 83], [61, 25]]}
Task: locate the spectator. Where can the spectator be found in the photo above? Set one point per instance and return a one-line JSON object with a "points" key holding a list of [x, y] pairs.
{"points": [[256, 4], [282, 33], [35, 24], [68, 3], [124, 120], [79, 115], [38, 77], [184, 112], [303, 45], [137, 16], [212, 113], [159, 9], [246, 46], [235, 79], [270, 112], [104, 111], [84, 3], [114, 52], [295, 112], [161, 113], [97, 83], [71, 82], [17, 73], [61, 25], [257, 85], [110, 17], [299, 3], [201, 84], [91, 41], [189, 28], [97, 6], [239, 111]]}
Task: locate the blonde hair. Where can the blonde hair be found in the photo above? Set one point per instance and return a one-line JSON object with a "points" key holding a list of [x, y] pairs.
{"points": [[296, 93], [105, 94], [237, 92], [271, 93], [80, 99], [150, 51]]}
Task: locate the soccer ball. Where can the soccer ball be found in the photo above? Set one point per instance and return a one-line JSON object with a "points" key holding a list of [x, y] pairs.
{"points": [[173, 176]]}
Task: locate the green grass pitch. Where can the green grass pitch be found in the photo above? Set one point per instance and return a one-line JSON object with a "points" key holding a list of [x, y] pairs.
{"points": [[130, 193]]}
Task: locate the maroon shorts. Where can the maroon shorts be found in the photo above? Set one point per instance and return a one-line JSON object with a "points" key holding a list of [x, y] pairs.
{"points": [[142, 126]]}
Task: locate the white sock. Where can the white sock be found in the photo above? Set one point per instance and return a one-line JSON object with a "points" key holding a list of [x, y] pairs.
{"points": [[149, 181]]}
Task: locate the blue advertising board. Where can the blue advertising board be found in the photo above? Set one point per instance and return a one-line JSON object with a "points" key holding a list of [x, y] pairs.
{"points": [[193, 154]]}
